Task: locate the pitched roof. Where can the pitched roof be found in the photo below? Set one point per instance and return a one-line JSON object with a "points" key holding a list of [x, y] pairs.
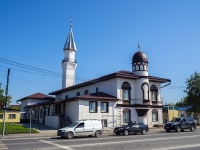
{"points": [[94, 96], [98, 95], [37, 96], [119, 74]]}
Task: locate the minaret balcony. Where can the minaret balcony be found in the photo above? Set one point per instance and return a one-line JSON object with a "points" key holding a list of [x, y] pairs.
{"points": [[69, 60]]}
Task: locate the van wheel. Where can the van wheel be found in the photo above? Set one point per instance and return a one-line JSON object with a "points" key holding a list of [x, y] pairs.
{"points": [[97, 133], [192, 129], [178, 129], [126, 132], [70, 135], [117, 133], [167, 130]]}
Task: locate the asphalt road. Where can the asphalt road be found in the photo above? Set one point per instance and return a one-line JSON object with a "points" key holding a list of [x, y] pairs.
{"points": [[157, 140]]}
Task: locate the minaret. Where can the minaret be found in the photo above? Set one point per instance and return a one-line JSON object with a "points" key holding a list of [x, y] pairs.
{"points": [[140, 63], [69, 62]]}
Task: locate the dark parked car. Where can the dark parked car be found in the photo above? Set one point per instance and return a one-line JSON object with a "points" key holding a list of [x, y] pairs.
{"points": [[132, 127], [180, 124]]}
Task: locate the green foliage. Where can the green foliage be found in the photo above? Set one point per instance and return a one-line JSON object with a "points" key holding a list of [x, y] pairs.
{"points": [[3, 97], [12, 128], [193, 93], [18, 108], [181, 103]]}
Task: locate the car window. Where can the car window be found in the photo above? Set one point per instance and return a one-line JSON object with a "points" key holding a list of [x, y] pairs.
{"points": [[176, 120], [140, 123], [81, 125], [73, 124], [183, 120]]}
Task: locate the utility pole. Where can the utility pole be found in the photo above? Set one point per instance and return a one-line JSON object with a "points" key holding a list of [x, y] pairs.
{"points": [[4, 114]]}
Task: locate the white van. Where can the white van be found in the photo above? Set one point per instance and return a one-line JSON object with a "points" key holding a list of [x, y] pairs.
{"points": [[81, 128]]}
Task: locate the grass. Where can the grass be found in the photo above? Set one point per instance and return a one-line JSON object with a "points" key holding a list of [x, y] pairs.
{"points": [[13, 128]]}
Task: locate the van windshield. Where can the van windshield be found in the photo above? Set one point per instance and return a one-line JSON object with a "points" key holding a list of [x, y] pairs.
{"points": [[73, 124], [176, 120]]}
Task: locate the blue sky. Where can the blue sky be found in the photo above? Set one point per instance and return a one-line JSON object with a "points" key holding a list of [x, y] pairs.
{"points": [[106, 34]]}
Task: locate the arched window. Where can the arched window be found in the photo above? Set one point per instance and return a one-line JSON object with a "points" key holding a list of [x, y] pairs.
{"points": [[154, 115], [137, 67], [141, 67], [154, 93], [145, 89], [126, 87]]}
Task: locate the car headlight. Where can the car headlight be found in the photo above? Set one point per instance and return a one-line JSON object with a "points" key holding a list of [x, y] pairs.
{"points": [[62, 130], [120, 128]]}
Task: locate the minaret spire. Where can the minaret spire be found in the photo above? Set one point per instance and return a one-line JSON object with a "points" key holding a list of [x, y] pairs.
{"points": [[70, 43], [138, 45], [71, 24]]}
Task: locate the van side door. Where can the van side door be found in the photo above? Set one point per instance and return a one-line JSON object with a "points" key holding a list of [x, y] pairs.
{"points": [[89, 128], [79, 129]]}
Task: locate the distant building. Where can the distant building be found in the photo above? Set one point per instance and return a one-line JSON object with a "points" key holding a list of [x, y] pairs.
{"points": [[11, 116], [116, 98]]}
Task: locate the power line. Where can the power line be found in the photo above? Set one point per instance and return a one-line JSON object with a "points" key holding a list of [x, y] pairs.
{"points": [[38, 69]]}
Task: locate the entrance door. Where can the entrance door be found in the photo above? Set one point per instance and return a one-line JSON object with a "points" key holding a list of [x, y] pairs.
{"points": [[126, 115]]}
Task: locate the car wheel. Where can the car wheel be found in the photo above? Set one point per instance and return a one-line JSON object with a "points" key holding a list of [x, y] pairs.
{"points": [[178, 129], [167, 130], [97, 133], [126, 132], [70, 135], [117, 133], [62, 137], [144, 132], [192, 129]]}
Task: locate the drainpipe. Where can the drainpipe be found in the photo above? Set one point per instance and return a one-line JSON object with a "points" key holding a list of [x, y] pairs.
{"points": [[113, 113], [166, 84]]}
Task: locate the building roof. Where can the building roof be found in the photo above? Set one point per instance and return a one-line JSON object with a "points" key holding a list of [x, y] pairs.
{"points": [[37, 96], [92, 96], [139, 57], [119, 74], [98, 95], [70, 43]]}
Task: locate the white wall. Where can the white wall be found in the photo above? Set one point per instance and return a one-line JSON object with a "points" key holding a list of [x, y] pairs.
{"points": [[52, 121], [109, 87], [27, 102], [134, 114], [72, 110]]}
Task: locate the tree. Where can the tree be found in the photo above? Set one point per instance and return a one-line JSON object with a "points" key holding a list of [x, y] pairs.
{"points": [[192, 100], [3, 98], [181, 103]]}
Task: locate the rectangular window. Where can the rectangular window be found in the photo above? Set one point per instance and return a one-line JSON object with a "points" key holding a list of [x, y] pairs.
{"points": [[104, 107], [86, 92], [12, 116], [92, 107], [182, 115], [78, 94], [125, 94], [1, 116], [154, 96], [154, 116], [97, 90]]}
